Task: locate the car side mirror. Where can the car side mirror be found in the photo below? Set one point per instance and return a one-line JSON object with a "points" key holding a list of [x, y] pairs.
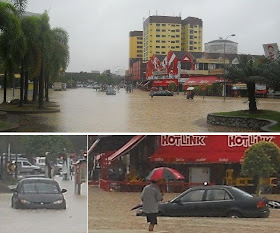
{"points": [[63, 190]]}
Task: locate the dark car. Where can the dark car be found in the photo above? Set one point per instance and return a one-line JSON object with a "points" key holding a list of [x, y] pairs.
{"points": [[37, 192], [163, 93], [215, 201]]}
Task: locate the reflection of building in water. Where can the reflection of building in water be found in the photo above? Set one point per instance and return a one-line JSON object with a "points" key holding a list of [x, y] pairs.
{"points": [[123, 162]]}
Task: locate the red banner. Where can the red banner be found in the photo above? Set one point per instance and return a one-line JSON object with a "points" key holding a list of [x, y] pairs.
{"points": [[207, 148], [164, 82]]}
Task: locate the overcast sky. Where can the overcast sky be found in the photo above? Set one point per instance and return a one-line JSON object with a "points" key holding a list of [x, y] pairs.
{"points": [[99, 29]]}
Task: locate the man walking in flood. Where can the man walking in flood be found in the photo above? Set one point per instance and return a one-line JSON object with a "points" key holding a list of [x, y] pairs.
{"points": [[151, 196]]}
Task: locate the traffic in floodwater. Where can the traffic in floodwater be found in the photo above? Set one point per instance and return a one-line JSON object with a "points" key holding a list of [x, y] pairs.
{"points": [[88, 110]]}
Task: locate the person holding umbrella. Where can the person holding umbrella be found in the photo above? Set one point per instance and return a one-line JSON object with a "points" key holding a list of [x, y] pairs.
{"points": [[151, 196]]}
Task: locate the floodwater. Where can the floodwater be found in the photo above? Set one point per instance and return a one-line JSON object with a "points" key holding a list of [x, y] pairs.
{"points": [[109, 212], [71, 220], [87, 110]]}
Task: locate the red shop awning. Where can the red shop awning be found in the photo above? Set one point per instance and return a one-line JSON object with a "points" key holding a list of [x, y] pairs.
{"points": [[206, 148], [127, 147], [200, 80], [164, 82]]}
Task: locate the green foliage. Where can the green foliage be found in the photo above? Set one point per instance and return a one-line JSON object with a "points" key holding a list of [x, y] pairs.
{"points": [[261, 160], [172, 87], [249, 70], [38, 145]]}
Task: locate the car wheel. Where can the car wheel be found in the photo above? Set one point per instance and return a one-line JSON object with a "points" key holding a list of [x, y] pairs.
{"points": [[234, 214]]}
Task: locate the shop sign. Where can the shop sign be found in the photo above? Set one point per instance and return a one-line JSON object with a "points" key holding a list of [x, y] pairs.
{"points": [[183, 140], [246, 141], [216, 71]]}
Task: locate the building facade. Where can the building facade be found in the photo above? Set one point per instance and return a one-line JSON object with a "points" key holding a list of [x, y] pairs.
{"points": [[135, 46], [221, 46]]}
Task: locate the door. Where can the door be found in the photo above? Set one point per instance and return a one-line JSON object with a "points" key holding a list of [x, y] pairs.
{"points": [[199, 174]]}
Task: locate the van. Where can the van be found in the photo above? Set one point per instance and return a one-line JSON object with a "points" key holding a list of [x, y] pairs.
{"points": [[40, 162]]}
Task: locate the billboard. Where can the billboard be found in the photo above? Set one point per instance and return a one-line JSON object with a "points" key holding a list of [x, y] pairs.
{"points": [[271, 51]]}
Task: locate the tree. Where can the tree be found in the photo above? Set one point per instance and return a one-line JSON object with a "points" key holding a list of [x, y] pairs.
{"points": [[20, 5], [10, 32], [172, 87], [249, 71], [261, 160]]}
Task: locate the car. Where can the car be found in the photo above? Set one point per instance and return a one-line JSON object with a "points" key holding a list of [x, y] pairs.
{"points": [[214, 201], [111, 91], [24, 166], [163, 93], [39, 192], [40, 162]]}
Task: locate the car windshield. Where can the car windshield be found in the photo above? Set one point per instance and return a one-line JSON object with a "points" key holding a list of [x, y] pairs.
{"points": [[40, 187], [241, 192]]}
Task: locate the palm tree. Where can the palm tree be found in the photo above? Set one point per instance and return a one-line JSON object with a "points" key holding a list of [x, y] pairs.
{"points": [[9, 35], [248, 71], [20, 5]]}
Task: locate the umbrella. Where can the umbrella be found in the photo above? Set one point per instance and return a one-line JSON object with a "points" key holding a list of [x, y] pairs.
{"points": [[190, 88], [165, 173]]}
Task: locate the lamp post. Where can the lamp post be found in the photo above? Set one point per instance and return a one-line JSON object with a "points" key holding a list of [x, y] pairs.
{"points": [[225, 92]]}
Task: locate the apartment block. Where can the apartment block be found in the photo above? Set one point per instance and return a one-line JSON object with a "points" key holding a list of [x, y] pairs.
{"points": [[135, 46]]}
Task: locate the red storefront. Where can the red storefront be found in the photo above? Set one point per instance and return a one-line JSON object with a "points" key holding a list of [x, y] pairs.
{"points": [[206, 157]]}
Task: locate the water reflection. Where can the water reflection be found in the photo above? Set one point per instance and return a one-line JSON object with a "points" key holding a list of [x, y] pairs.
{"points": [[87, 110]]}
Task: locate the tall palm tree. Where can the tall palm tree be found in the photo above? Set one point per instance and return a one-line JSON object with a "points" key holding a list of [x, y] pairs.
{"points": [[20, 5], [249, 71], [9, 35]]}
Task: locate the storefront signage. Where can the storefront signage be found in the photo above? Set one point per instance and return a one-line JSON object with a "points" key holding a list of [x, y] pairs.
{"points": [[216, 71], [271, 51], [198, 72], [212, 61], [246, 141], [183, 140]]}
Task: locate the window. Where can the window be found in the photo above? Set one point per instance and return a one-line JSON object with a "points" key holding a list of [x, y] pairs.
{"points": [[157, 47], [177, 41], [191, 47], [163, 41], [172, 30], [191, 37], [177, 30], [157, 24], [193, 196], [139, 47], [191, 42], [163, 30], [157, 41], [157, 35], [139, 51], [172, 36], [163, 35], [177, 35], [139, 42], [177, 47], [163, 47], [191, 31], [163, 25], [217, 195], [158, 30]]}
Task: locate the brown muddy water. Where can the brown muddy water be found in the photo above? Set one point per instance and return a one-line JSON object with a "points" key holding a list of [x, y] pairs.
{"points": [[87, 110], [71, 220], [109, 212]]}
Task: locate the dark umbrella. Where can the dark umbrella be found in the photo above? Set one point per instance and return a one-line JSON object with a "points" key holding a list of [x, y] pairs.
{"points": [[165, 173]]}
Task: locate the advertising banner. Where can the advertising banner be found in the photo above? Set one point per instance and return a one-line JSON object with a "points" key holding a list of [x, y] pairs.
{"points": [[207, 148], [271, 51]]}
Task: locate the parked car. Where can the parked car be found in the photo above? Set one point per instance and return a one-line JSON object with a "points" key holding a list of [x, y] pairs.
{"points": [[214, 201], [163, 93], [24, 166], [33, 193]]}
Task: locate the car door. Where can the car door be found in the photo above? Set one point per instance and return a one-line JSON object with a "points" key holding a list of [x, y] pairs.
{"points": [[217, 202], [189, 204], [27, 167]]}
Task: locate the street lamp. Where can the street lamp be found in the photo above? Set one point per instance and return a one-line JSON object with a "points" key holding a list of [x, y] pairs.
{"points": [[225, 92]]}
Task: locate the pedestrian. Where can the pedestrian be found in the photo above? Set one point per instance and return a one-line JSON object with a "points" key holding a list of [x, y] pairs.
{"points": [[151, 93], [151, 196]]}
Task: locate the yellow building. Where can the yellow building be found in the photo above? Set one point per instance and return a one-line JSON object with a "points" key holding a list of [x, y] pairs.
{"points": [[192, 34], [164, 33], [161, 34], [135, 46]]}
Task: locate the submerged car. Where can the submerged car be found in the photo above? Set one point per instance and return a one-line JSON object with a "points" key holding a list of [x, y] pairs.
{"points": [[163, 93], [111, 91], [38, 192], [214, 201]]}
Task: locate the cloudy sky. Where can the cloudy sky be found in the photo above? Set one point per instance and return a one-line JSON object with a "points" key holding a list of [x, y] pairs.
{"points": [[99, 29]]}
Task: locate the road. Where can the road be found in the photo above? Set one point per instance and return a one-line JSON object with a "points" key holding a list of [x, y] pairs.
{"points": [[71, 220], [109, 212], [87, 110]]}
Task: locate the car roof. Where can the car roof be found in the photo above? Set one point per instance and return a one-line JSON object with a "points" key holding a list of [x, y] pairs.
{"points": [[44, 179], [211, 186]]}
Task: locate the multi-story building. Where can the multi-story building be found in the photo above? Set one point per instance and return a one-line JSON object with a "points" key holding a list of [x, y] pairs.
{"points": [[135, 46], [192, 34], [161, 34]]}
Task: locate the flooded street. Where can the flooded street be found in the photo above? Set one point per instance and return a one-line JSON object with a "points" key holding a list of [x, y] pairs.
{"points": [[87, 110], [109, 212], [71, 220]]}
